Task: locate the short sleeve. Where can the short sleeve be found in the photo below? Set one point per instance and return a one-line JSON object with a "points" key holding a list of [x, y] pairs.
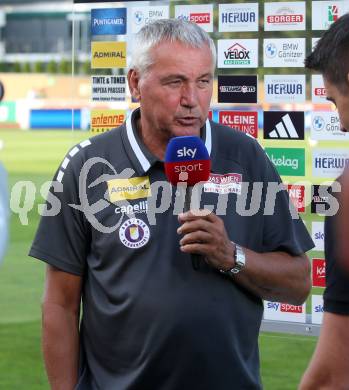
{"points": [[282, 231], [63, 234]]}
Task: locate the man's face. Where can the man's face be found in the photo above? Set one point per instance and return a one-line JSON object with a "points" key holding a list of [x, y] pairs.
{"points": [[341, 101], [175, 92]]}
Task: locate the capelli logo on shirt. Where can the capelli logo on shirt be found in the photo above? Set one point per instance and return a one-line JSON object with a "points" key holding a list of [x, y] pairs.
{"points": [[133, 188]]}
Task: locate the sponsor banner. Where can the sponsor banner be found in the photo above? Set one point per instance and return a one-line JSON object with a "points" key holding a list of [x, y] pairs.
{"points": [[320, 195], [317, 309], [280, 52], [237, 89], [319, 272], [229, 183], [108, 55], [318, 91], [105, 120], [238, 53], [329, 162], [284, 88], [238, 17], [284, 16], [297, 196], [244, 121], [283, 125], [287, 161], [242, 53], [201, 14], [141, 16], [108, 21], [127, 189], [108, 88], [318, 235], [284, 312], [324, 13], [325, 126]]}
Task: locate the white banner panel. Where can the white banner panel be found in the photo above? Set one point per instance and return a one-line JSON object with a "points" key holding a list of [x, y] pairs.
{"points": [[140, 16], [324, 13], [329, 162], [317, 309], [325, 126], [284, 16], [238, 17], [201, 14], [318, 235], [284, 88], [237, 53], [108, 88], [284, 312], [280, 52], [318, 92]]}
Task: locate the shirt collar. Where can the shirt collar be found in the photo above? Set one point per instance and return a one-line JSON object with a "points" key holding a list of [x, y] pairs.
{"points": [[140, 155]]}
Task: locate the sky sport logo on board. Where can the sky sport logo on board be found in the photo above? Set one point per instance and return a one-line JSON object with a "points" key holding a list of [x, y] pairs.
{"points": [[318, 235], [244, 121], [284, 16], [238, 17], [199, 14], [284, 312]]}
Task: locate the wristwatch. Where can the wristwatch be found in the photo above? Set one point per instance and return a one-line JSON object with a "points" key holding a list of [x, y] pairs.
{"points": [[240, 261]]}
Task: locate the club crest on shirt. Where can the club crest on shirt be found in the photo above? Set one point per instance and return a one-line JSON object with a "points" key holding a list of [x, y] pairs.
{"points": [[134, 233], [230, 183]]}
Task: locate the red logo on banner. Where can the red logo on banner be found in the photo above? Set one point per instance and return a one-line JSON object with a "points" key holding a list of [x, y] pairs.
{"points": [[200, 18], [320, 92], [319, 273], [296, 194], [287, 308], [245, 121]]}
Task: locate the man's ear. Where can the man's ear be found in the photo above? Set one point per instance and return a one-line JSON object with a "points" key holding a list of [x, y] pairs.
{"points": [[133, 84]]}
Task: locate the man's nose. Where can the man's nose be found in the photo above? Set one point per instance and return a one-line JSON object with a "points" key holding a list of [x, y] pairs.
{"points": [[189, 95]]}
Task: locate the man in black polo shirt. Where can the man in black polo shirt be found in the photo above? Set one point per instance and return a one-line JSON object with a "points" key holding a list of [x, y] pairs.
{"points": [[149, 320], [329, 367]]}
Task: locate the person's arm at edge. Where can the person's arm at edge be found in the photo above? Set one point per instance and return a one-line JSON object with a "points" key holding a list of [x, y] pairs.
{"points": [[60, 327], [329, 366]]}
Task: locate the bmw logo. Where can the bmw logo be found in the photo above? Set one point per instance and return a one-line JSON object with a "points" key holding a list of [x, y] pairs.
{"points": [[270, 50], [318, 123]]}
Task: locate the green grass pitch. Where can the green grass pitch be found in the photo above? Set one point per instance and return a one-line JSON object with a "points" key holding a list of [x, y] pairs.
{"points": [[35, 156]]}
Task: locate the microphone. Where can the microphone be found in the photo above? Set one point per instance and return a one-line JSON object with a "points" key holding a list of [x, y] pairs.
{"points": [[187, 162]]}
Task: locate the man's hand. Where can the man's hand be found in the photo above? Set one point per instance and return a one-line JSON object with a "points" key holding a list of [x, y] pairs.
{"points": [[204, 233]]}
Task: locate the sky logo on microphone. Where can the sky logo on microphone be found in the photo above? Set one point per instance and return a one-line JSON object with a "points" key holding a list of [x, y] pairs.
{"points": [[186, 152]]}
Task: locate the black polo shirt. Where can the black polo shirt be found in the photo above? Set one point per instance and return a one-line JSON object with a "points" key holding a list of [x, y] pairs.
{"points": [[336, 295], [150, 321]]}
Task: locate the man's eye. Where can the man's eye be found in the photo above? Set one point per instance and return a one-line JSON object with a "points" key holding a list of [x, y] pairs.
{"points": [[175, 83], [204, 82]]}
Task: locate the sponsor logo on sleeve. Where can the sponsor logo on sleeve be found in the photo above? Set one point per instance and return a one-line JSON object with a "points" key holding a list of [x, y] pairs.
{"points": [[229, 183], [279, 52], [320, 202], [238, 17], [288, 161], [318, 91], [108, 55], [237, 89], [105, 120], [141, 16], [108, 21], [134, 233], [296, 193], [200, 14], [324, 13], [108, 88], [242, 53], [329, 162], [284, 125], [284, 89], [284, 312], [284, 16], [244, 121], [317, 309], [319, 272], [318, 235], [325, 125], [127, 189]]}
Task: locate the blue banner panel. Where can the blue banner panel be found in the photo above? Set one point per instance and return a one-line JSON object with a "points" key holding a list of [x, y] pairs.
{"points": [[108, 21], [54, 119]]}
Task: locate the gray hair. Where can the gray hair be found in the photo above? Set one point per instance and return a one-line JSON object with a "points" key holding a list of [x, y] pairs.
{"points": [[167, 30]]}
